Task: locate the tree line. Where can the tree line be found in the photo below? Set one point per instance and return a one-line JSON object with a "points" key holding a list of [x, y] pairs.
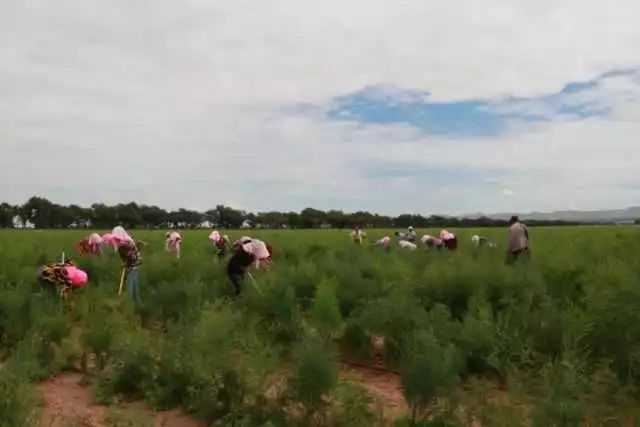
{"points": [[42, 213]]}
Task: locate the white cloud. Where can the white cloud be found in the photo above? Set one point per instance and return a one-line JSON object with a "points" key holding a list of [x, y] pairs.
{"points": [[180, 104]]}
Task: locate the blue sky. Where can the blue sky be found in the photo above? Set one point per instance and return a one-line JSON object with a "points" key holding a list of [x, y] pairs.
{"points": [[386, 104], [505, 105]]}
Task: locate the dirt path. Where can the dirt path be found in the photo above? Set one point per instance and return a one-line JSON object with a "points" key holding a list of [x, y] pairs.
{"points": [[384, 386], [67, 401]]}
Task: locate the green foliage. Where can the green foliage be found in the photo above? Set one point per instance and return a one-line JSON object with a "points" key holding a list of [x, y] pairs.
{"points": [[325, 313], [131, 371], [355, 409], [315, 377], [128, 418], [428, 371], [559, 336], [18, 401]]}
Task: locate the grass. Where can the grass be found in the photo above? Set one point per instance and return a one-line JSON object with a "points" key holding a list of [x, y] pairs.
{"points": [[558, 336]]}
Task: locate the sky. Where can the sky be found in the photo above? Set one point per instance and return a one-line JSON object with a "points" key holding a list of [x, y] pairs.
{"points": [[395, 107]]}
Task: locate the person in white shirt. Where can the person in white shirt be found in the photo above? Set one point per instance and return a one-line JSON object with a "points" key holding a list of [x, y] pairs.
{"points": [[481, 241], [411, 235], [405, 244], [357, 235]]}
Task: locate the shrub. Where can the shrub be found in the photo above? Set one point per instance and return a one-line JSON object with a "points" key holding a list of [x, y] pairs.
{"points": [[315, 377], [428, 370], [18, 401]]}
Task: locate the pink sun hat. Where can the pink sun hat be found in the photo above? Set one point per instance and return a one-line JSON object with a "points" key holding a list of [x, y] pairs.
{"points": [[121, 234], [257, 248], [95, 239], [78, 277], [385, 240], [446, 235]]}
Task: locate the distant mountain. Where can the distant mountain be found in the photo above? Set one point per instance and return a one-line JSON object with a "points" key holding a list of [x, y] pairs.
{"points": [[616, 215]]}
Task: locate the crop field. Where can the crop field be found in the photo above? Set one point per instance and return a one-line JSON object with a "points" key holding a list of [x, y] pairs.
{"points": [[470, 340]]}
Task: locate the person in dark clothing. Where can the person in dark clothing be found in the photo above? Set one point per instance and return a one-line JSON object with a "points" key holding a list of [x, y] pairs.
{"points": [[247, 251], [238, 266]]}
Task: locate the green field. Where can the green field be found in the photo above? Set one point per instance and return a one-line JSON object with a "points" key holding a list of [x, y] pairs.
{"points": [[555, 341]]}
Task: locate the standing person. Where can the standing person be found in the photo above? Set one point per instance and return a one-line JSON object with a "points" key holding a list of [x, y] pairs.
{"points": [[173, 243], [517, 240], [131, 258], [449, 240]]}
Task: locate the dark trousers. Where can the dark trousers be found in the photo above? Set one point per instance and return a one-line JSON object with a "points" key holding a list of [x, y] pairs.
{"points": [[519, 255], [451, 244], [236, 276]]}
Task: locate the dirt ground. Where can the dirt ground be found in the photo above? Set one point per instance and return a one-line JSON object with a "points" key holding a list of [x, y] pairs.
{"points": [[384, 386], [68, 402]]}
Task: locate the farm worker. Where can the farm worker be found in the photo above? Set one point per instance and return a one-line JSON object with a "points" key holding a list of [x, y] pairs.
{"points": [[109, 239], [411, 235], [60, 278], [383, 243], [400, 235], [481, 241], [131, 258], [215, 236], [449, 240], [246, 252], [241, 241], [517, 240], [121, 234], [220, 243], [173, 242], [431, 242], [405, 244], [91, 245], [263, 251], [357, 235]]}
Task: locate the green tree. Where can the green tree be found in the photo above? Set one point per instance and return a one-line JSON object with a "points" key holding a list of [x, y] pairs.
{"points": [[7, 212], [153, 216]]}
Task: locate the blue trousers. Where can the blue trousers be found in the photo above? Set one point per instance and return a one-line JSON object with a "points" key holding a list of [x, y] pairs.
{"points": [[133, 286]]}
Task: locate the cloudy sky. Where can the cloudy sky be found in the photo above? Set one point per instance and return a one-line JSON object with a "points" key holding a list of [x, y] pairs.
{"points": [[389, 106]]}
